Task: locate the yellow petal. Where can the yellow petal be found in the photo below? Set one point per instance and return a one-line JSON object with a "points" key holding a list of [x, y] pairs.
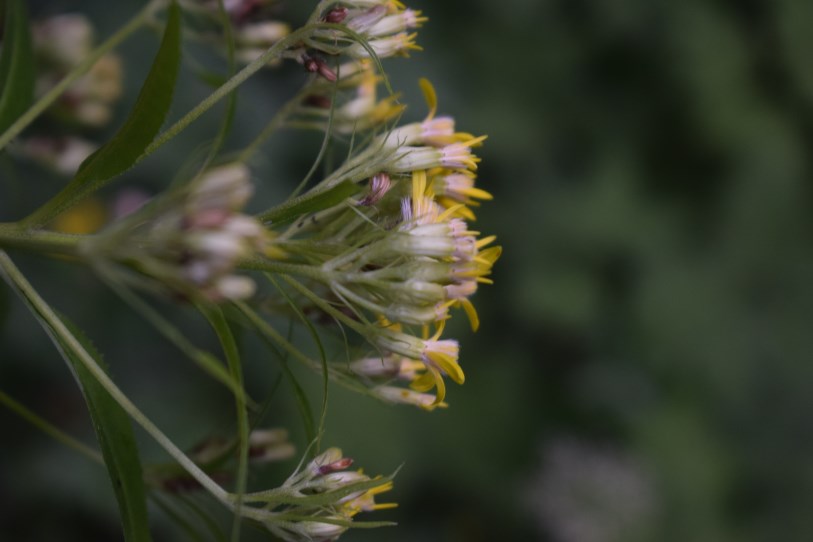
{"points": [[448, 365], [485, 241], [425, 382], [430, 96], [471, 312], [441, 387], [418, 185], [478, 193]]}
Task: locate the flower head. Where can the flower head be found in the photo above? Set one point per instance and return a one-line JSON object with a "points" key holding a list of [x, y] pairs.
{"points": [[191, 240]]}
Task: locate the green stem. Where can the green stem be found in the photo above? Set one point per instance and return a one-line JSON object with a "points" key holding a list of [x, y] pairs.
{"points": [[256, 65], [13, 236], [43, 310], [262, 264], [222, 91], [221, 327], [50, 429], [356, 326], [265, 328], [42, 104]]}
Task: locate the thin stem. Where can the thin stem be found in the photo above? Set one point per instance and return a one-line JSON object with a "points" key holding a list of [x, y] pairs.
{"points": [[356, 326], [49, 97], [50, 429], [276, 50], [265, 328], [325, 142], [13, 236], [43, 310], [262, 264]]}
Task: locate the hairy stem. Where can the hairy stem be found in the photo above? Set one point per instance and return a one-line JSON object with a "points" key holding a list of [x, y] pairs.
{"points": [[47, 242]]}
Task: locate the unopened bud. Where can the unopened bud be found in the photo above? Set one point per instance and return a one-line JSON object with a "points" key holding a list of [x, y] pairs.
{"points": [[336, 15], [325, 459], [380, 184], [321, 532], [265, 445], [336, 466], [314, 100], [317, 65]]}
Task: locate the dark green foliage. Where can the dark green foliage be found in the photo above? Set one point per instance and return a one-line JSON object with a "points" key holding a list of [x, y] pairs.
{"points": [[16, 63]]}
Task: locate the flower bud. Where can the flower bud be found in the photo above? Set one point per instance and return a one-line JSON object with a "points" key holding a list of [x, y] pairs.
{"points": [[392, 394]]}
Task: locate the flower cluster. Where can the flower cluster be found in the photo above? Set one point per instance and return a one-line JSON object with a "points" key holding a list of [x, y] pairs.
{"points": [[254, 28], [191, 240], [410, 257], [360, 29], [357, 105], [382, 246], [60, 44], [325, 497], [384, 25]]}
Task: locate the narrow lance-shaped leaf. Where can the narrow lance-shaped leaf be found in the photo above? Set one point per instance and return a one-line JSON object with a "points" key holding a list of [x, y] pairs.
{"points": [[224, 333], [322, 356], [142, 125], [16, 64], [115, 434], [110, 421]]}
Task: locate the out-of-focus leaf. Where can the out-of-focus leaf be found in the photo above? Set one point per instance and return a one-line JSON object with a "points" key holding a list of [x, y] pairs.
{"points": [[142, 125], [16, 64]]}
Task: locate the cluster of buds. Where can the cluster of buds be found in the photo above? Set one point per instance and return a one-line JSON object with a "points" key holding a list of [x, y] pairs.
{"points": [[61, 43], [411, 257], [385, 27], [254, 29], [359, 29], [357, 105], [191, 240], [327, 496]]}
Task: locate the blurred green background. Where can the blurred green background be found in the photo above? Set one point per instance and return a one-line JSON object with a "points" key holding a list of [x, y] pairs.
{"points": [[644, 369]]}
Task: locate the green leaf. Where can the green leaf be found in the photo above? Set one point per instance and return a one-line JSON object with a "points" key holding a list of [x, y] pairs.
{"points": [[115, 435], [16, 65], [271, 337], [311, 202], [224, 334], [322, 356], [110, 421], [126, 147]]}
